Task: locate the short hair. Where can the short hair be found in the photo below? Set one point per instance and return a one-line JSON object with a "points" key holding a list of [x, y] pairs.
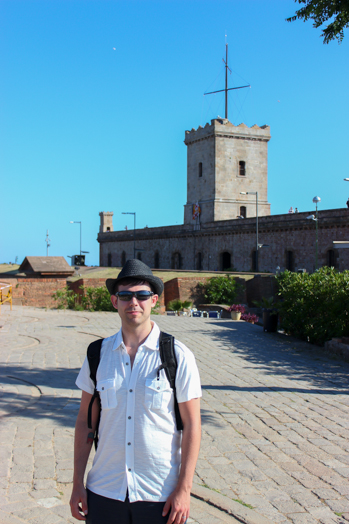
{"points": [[135, 281]]}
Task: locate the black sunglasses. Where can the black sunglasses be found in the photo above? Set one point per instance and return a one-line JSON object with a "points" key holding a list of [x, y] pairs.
{"points": [[126, 296]]}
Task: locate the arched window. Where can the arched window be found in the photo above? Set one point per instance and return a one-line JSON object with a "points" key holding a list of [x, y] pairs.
{"points": [[123, 258], [254, 260], [176, 260], [289, 260], [156, 260], [199, 261], [242, 168], [331, 261], [109, 259], [200, 169], [225, 261], [243, 211]]}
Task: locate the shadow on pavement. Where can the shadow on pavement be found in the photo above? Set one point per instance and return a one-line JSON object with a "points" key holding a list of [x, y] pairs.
{"points": [[278, 355]]}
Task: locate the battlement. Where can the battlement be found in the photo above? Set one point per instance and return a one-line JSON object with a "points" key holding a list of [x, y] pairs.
{"points": [[222, 127]]}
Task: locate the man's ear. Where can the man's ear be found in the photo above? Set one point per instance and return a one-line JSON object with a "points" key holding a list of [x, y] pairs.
{"points": [[155, 298], [114, 301]]}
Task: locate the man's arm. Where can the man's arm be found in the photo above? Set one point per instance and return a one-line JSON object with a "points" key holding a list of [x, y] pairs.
{"points": [[179, 500], [82, 448]]}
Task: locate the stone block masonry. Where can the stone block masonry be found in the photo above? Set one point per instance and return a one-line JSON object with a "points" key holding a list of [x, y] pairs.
{"points": [[290, 239]]}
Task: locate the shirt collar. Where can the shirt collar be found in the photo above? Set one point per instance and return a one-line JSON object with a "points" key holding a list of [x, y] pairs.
{"points": [[151, 342]]}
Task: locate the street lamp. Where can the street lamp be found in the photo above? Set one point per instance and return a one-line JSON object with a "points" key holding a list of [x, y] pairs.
{"points": [[257, 245], [77, 222], [316, 200], [134, 232]]}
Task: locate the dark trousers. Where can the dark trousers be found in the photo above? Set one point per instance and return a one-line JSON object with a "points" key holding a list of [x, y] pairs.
{"points": [[102, 510]]}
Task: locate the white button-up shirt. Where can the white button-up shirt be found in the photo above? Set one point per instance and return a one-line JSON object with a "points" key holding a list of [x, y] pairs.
{"points": [[139, 447]]}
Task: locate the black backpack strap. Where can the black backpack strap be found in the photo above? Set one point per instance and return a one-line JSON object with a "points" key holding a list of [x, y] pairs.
{"points": [[93, 357], [169, 364]]}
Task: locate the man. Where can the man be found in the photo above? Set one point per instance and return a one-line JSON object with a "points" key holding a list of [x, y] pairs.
{"points": [[143, 468]]}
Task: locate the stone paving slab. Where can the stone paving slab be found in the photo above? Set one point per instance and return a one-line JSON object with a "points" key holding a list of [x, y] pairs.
{"points": [[275, 418]]}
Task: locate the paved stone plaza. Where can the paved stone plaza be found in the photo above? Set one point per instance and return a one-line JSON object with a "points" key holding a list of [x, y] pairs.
{"points": [[275, 419]]}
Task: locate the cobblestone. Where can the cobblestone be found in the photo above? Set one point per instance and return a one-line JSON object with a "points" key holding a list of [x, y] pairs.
{"points": [[275, 418]]}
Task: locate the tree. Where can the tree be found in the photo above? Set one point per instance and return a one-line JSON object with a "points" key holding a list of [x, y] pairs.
{"points": [[323, 10]]}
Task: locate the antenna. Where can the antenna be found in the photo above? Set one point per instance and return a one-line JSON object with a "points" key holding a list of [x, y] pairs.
{"points": [[47, 240], [226, 89]]}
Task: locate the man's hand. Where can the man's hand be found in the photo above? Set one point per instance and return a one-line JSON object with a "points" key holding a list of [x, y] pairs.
{"points": [[179, 502], [78, 502]]}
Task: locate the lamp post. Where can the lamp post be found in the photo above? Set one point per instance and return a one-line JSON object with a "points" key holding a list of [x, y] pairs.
{"points": [[134, 232], [257, 245], [316, 200], [77, 222]]}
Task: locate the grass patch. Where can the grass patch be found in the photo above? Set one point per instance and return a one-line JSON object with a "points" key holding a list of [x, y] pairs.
{"points": [[243, 503]]}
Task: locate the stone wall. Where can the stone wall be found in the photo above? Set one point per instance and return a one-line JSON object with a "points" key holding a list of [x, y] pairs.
{"points": [[290, 239], [188, 288], [36, 292]]}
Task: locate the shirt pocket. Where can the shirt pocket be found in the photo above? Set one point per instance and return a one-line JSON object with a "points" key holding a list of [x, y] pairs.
{"points": [[107, 392], [157, 392]]}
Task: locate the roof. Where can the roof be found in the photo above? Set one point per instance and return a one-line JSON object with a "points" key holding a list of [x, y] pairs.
{"points": [[46, 266]]}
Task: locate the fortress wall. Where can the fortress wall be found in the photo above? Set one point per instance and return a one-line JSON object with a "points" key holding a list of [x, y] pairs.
{"points": [[282, 233]]}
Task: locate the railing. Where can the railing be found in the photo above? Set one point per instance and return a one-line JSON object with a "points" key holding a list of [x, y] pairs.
{"points": [[5, 294]]}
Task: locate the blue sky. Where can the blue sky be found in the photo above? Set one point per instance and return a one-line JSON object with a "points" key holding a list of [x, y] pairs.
{"points": [[95, 97]]}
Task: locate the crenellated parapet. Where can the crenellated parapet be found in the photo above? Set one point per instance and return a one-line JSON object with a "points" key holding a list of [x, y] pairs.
{"points": [[221, 127]]}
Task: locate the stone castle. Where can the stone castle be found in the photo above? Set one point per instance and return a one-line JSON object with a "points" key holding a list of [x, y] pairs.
{"points": [[227, 176]]}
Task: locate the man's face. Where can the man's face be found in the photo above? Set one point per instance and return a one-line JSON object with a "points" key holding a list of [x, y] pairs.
{"points": [[134, 312]]}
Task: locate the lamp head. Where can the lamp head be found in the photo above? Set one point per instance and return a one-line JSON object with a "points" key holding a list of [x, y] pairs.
{"points": [[316, 199]]}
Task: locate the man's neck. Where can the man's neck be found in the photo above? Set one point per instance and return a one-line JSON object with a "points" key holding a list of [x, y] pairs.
{"points": [[133, 338]]}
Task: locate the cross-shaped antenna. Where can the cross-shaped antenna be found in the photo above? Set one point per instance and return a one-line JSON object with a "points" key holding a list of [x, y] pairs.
{"points": [[226, 83]]}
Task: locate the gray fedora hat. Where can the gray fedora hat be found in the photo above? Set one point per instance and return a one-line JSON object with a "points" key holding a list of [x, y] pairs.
{"points": [[139, 271]]}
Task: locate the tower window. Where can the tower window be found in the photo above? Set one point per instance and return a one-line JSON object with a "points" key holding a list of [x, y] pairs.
{"points": [[108, 228], [243, 211], [109, 259], [199, 262], [139, 255], [242, 168], [200, 169], [123, 258]]}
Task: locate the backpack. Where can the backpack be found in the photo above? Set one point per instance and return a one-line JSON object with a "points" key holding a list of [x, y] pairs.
{"points": [[168, 364]]}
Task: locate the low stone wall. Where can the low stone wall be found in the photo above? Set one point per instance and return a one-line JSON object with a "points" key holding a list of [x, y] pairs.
{"points": [[36, 292], [339, 346], [260, 286], [100, 282], [188, 288]]}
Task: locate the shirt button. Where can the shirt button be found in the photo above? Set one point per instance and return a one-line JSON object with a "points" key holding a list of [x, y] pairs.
{"points": [[129, 469], [129, 418], [129, 443], [126, 363], [157, 388], [131, 390]]}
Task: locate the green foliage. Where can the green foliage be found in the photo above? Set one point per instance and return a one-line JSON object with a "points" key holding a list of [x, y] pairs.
{"points": [[266, 303], [221, 290], [315, 307], [178, 305], [96, 299], [323, 10], [92, 299], [67, 299]]}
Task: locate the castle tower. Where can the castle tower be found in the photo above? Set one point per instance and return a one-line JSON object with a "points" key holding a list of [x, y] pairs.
{"points": [[106, 221], [224, 160]]}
